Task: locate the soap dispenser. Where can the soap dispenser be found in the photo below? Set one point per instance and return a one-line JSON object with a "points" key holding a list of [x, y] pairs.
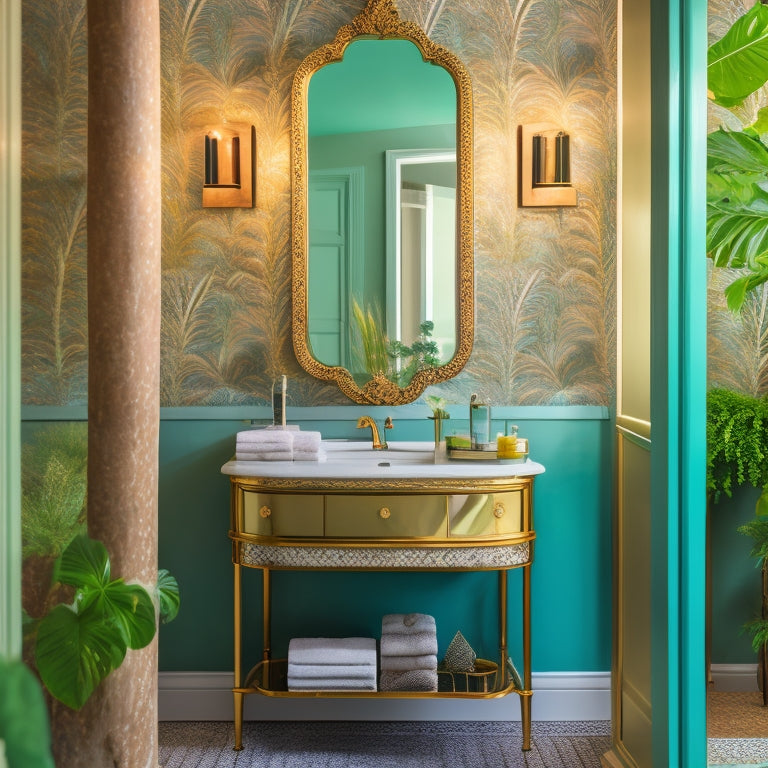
{"points": [[278, 402], [479, 423]]}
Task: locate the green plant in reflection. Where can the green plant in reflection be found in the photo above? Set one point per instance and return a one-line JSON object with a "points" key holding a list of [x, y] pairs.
{"points": [[376, 354]]}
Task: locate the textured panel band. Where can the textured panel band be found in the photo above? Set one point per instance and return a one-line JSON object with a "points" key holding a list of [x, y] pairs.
{"points": [[416, 558]]}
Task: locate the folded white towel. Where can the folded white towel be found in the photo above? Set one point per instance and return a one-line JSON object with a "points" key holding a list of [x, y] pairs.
{"points": [[332, 650], [417, 644], [310, 671], [332, 684], [407, 663], [415, 680], [253, 455], [318, 455], [407, 622], [306, 441], [262, 438]]}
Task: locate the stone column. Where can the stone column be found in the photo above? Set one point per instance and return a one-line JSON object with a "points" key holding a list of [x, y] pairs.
{"points": [[118, 725]]}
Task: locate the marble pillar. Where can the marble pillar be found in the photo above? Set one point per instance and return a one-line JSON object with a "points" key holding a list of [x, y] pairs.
{"points": [[118, 725]]}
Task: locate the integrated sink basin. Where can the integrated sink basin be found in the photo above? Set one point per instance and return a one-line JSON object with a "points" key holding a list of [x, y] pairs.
{"points": [[400, 452]]}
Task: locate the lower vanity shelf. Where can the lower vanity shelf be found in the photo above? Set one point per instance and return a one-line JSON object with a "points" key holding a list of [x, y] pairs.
{"points": [[384, 517], [270, 678]]}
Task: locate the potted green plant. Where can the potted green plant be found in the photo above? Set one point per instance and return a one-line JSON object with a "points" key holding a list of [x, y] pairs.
{"points": [[74, 645]]}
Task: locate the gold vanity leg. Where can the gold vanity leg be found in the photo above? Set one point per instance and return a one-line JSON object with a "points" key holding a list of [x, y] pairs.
{"points": [[503, 628], [525, 698], [267, 614], [238, 696]]}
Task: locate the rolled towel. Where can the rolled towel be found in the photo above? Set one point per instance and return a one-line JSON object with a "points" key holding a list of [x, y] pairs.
{"points": [[332, 650], [244, 454], [307, 441], [332, 684], [407, 623], [416, 644], [407, 663], [414, 680], [310, 671]]}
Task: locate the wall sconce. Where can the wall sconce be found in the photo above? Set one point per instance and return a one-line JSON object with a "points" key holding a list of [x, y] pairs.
{"points": [[545, 166], [229, 166]]}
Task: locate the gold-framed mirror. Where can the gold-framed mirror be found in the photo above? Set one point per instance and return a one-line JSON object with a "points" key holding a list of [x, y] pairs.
{"points": [[382, 211]]}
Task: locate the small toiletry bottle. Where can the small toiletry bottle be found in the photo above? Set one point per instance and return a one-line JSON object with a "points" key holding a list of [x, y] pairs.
{"points": [[278, 402]]}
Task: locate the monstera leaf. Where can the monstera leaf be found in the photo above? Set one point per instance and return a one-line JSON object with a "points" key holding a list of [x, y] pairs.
{"points": [[78, 645], [737, 209], [737, 64]]}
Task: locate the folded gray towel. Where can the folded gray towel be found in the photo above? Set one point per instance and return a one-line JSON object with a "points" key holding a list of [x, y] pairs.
{"points": [[407, 622], [416, 644], [413, 680], [332, 650], [406, 663], [332, 684], [352, 671]]}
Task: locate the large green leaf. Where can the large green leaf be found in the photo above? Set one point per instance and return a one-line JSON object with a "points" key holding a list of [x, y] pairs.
{"points": [[75, 652], [737, 152], [23, 718], [168, 596], [84, 563], [737, 64], [79, 645]]}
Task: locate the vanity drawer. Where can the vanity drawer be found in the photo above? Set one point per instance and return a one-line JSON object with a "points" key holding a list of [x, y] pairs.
{"points": [[486, 514], [282, 514], [385, 516]]}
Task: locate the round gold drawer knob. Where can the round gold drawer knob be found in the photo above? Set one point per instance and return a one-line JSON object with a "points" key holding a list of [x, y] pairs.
{"points": [[498, 509], [265, 511], [384, 513]]}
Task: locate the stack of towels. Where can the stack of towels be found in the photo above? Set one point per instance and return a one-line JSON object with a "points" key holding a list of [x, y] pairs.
{"points": [[332, 664], [278, 445], [408, 652]]}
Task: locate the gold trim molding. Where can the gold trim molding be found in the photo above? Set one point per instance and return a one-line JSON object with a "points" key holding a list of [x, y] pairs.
{"points": [[380, 18]]}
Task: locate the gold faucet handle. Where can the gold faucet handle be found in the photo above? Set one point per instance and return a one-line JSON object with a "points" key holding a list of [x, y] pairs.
{"points": [[388, 423]]}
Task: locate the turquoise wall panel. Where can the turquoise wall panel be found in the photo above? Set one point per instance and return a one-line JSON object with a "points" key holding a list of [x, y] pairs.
{"points": [[571, 574], [736, 593]]}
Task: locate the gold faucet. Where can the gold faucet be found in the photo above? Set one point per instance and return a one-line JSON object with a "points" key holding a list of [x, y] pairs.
{"points": [[367, 421]]}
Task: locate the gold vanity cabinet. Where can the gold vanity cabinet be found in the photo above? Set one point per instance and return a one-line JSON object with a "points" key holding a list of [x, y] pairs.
{"points": [[490, 514], [279, 514], [386, 517], [297, 518]]}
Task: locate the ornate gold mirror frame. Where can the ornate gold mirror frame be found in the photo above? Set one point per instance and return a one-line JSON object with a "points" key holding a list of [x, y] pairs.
{"points": [[380, 19]]}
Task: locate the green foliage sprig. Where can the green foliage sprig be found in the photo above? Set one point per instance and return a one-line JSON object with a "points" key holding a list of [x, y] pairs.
{"points": [[737, 443], [757, 529]]}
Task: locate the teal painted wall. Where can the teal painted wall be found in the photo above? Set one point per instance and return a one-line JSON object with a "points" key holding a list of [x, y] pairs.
{"points": [[735, 579], [571, 575]]}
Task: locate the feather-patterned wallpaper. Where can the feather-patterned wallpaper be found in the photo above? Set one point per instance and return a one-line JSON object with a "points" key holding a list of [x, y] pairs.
{"points": [[545, 278]]}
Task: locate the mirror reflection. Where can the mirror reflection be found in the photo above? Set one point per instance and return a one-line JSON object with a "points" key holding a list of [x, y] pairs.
{"points": [[381, 198]]}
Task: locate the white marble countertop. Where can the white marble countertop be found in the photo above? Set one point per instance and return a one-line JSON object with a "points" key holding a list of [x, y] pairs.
{"points": [[355, 459]]}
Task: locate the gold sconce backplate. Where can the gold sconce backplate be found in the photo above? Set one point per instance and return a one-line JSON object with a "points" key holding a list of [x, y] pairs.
{"points": [[229, 166], [544, 166]]}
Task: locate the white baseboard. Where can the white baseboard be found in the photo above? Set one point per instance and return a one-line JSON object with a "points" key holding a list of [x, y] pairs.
{"points": [[734, 677], [557, 696]]}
